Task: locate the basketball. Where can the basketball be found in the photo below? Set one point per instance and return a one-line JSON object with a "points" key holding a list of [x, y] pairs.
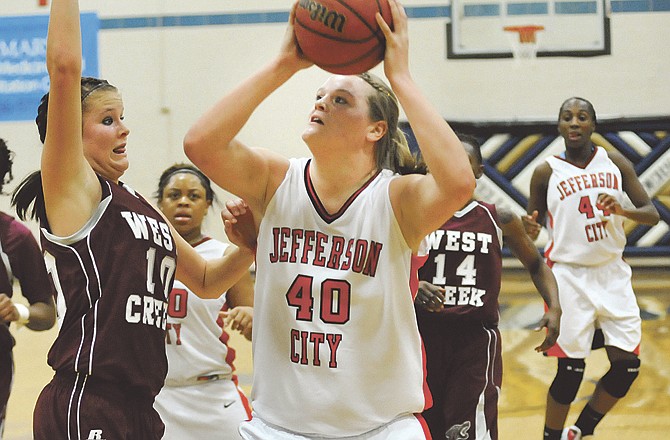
{"points": [[342, 36]]}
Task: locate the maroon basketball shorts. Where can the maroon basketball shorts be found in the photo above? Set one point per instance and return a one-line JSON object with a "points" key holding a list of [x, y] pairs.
{"points": [[81, 407], [464, 374], [6, 376]]}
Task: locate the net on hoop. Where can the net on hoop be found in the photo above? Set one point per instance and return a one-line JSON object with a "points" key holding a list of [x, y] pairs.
{"points": [[525, 47]]}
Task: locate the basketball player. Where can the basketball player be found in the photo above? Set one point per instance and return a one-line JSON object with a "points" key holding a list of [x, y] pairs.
{"points": [[111, 256], [20, 258], [200, 399], [336, 348], [457, 312], [580, 196]]}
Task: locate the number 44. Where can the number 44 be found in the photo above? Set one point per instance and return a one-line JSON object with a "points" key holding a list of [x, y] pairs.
{"points": [[586, 208]]}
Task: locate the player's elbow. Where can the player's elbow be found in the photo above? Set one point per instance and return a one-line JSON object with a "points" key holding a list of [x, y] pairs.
{"points": [[534, 265], [193, 145], [463, 188], [63, 62], [43, 317]]}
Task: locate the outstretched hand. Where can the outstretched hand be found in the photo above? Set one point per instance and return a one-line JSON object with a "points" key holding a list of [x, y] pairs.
{"points": [[240, 318], [239, 224], [531, 225], [551, 321]]}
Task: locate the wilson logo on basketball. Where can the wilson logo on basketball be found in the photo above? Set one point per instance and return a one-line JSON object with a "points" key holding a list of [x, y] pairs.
{"points": [[318, 12]]}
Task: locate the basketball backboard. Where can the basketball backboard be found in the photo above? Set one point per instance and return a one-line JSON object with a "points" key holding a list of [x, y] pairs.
{"points": [[569, 27]]}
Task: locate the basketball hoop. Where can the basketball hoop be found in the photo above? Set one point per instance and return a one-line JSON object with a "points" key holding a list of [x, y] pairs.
{"points": [[525, 48]]}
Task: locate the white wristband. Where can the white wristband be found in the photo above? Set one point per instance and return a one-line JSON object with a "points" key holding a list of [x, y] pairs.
{"points": [[24, 313]]}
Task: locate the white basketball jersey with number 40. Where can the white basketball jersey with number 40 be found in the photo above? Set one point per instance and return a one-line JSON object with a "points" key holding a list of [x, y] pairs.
{"points": [[336, 346]]}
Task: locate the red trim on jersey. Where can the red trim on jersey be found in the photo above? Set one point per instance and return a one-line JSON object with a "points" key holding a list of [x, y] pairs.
{"points": [[202, 240], [547, 252], [557, 351], [428, 397], [225, 337], [243, 397], [593, 154], [424, 425], [316, 202], [417, 262]]}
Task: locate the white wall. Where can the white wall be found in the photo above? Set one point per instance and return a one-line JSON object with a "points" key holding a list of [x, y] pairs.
{"points": [[169, 76]]}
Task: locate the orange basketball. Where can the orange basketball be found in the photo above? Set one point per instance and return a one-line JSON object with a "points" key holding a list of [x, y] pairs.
{"points": [[342, 36]]}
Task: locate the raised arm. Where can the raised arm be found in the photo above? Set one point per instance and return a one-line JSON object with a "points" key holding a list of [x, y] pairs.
{"points": [[423, 203], [71, 188], [210, 143], [524, 249]]}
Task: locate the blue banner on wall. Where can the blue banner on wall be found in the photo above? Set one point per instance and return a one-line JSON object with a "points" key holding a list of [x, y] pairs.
{"points": [[23, 72]]}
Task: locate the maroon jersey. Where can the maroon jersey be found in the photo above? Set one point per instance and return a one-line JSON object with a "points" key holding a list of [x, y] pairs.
{"points": [[20, 258], [112, 280], [465, 257], [462, 341]]}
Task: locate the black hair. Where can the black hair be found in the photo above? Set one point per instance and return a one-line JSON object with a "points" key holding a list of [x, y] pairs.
{"points": [[28, 197], [474, 142], [589, 107], [184, 168], [6, 161]]}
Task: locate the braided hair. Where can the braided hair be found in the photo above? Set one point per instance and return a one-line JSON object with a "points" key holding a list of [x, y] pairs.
{"points": [[88, 86], [28, 197], [392, 150]]}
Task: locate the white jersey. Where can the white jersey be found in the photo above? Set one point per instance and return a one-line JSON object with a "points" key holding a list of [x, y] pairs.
{"points": [[195, 342], [336, 347], [200, 398], [579, 231]]}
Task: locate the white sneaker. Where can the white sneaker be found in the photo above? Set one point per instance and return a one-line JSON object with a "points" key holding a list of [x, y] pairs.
{"points": [[571, 433]]}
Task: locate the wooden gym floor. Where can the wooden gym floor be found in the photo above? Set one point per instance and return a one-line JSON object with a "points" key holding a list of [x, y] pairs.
{"points": [[643, 414]]}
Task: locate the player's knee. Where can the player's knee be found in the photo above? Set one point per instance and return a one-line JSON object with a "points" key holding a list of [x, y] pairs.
{"points": [[568, 378], [620, 377]]}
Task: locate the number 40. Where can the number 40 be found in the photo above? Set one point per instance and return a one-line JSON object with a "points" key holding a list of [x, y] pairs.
{"points": [[335, 300]]}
